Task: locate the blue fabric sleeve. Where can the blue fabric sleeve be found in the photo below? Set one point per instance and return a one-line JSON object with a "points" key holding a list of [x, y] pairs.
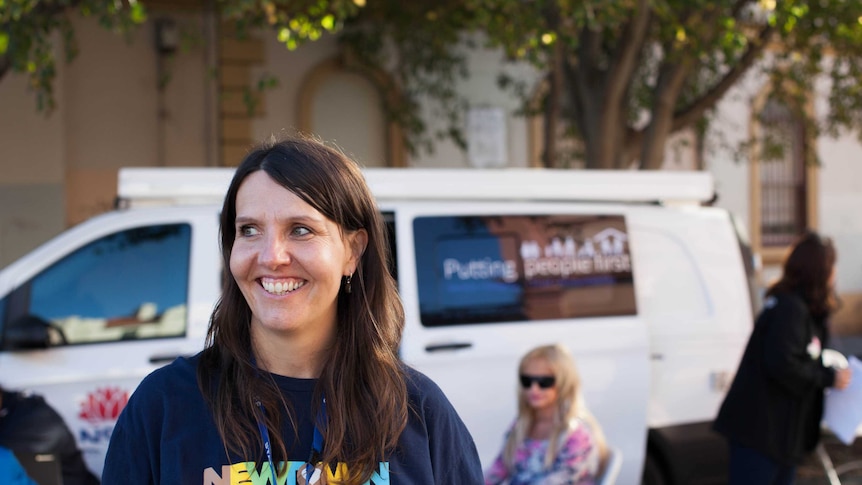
{"points": [[130, 459], [453, 453], [11, 470]]}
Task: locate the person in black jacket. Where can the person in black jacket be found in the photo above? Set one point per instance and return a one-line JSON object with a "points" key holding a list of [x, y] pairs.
{"points": [[771, 415], [29, 424]]}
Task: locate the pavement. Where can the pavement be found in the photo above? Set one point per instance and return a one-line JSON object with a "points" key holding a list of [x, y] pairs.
{"points": [[811, 472]]}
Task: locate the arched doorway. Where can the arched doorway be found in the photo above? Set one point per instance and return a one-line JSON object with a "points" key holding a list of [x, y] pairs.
{"points": [[346, 107]]}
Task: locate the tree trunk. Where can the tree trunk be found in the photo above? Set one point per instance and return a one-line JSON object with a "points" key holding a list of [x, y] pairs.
{"points": [[603, 145], [550, 156], [601, 91], [667, 90], [588, 90], [4, 65], [602, 123]]}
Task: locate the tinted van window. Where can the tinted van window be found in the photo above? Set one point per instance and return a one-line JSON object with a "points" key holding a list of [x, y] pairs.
{"points": [[475, 269], [128, 285]]}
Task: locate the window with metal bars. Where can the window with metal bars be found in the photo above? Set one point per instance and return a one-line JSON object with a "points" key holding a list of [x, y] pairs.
{"points": [[783, 180]]}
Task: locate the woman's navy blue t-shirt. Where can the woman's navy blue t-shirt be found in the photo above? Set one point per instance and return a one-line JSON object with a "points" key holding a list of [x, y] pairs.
{"points": [[167, 435]]}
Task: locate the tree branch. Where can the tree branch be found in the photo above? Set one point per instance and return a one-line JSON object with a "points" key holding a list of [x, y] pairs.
{"points": [[698, 107], [588, 51], [43, 9], [618, 81], [37, 12], [631, 146], [737, 7], [550, 157], [586, 74], [632, 41], [587, 68], [553, 100], [672, 76]]}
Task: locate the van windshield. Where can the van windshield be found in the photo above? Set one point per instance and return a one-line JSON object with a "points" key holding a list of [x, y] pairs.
{"points": [[131, 284]]}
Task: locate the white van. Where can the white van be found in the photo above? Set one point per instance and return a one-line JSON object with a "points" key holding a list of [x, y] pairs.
{"points": [[643, 283]]}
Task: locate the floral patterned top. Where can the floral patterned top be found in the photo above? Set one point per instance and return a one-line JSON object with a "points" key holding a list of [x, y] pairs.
{"points": [[577, 462]]}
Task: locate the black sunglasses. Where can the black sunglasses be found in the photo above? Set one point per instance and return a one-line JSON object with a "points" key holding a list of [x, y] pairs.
{"points": [[544, 382]]}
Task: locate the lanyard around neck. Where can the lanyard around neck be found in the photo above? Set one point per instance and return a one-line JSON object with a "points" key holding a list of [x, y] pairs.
{"points": [[316, 443]]}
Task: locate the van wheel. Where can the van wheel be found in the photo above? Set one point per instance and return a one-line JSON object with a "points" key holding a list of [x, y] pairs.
{"points": [[653, 472]]}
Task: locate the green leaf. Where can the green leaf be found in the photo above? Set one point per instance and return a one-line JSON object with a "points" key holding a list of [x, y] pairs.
{"points": [[283, 34], [328, 22], [4, 39], [138, 13]]}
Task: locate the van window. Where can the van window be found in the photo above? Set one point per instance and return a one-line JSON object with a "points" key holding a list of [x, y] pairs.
{"points": [[476, 269], [128, 285]]}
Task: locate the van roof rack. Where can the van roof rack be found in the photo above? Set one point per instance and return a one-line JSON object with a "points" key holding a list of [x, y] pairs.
{"points": [[207, 185]]}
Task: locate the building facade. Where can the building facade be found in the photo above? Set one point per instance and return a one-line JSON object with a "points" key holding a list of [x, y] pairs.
{"points": [[185, 90]]}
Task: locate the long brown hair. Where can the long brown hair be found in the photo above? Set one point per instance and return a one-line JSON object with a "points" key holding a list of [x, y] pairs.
{"points": [[363, 380], [807, 270], [570, 405]]}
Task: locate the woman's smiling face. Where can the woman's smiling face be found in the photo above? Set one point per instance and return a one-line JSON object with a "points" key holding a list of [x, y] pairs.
{"points": [[288, 259]]}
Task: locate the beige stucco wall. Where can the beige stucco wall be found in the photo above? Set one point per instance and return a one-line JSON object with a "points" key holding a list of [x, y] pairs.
{"points": [[345, 107], [840, 197], [282, 103], [32, 170], [31, 144], [57, 170], [290, 67], [61, 168], [113, 102], [347, 111]]}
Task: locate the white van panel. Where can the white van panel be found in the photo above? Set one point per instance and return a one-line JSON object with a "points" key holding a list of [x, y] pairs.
{"points": [[479, 373], [692, 291]]}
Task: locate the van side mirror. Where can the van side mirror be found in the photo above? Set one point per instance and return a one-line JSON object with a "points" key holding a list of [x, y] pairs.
{"points": [[27, 332]]}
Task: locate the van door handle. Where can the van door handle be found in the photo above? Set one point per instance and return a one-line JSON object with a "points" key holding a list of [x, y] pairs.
{"points": [[448, 346], [165, 358]]}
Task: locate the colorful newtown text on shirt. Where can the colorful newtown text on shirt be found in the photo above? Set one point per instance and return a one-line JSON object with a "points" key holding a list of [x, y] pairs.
{"points": [[246, 473]]}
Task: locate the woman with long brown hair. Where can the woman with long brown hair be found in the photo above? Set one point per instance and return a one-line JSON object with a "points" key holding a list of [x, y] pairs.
{"points": [[555, 440], [771, 415], [300, 381]]}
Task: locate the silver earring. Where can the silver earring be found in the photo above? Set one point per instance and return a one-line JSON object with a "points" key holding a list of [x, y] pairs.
{"points": [[347, 287]]}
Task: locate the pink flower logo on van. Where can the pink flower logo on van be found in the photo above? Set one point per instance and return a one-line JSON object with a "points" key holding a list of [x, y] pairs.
{"points": [[104, 404]]}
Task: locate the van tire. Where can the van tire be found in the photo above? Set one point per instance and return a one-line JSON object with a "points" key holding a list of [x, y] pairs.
{"points": [[653, 471]]}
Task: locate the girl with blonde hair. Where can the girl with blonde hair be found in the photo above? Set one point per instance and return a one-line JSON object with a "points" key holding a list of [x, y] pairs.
{"points": [[555, 440]]}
